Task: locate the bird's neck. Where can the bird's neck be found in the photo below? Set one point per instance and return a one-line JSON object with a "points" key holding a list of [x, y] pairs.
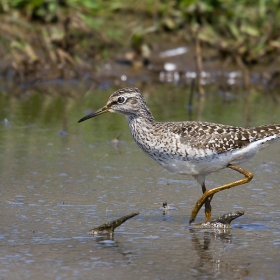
{"points": [[140, 125], [143, 116]]}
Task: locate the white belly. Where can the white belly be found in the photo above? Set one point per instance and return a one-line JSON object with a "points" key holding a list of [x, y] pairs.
{"points": [[209, 163]]}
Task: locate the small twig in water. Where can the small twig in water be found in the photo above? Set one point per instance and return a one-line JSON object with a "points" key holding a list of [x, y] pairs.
{"points": [[220, 223], [109, 228]]}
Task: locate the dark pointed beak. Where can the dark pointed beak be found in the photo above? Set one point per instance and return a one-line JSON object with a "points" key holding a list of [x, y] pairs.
{"points": [[96, 113]]}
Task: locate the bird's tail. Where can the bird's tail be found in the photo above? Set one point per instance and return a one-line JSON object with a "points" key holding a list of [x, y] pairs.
{"points": [[268, 134]]}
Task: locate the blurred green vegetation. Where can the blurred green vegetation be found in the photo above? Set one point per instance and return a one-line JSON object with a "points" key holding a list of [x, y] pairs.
{"points": [[79, 32]]}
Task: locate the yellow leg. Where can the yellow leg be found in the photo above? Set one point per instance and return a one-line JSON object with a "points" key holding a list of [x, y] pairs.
{"points": [[208, 194], [208, 209], [207, 204]]}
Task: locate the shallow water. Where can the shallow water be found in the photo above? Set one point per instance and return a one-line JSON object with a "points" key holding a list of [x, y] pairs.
{"points": [[59, 179]]}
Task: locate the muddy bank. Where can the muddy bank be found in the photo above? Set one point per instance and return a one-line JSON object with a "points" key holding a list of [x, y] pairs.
{"points": [[128, 46]]}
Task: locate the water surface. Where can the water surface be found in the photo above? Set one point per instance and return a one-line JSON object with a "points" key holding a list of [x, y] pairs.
{"points": [[59, 179]]}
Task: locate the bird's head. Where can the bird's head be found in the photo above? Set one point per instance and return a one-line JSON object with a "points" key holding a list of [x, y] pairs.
{"points": [[127, 101]]}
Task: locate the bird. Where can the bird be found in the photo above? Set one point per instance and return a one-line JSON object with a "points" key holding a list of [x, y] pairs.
{"points": [[190, 147]]}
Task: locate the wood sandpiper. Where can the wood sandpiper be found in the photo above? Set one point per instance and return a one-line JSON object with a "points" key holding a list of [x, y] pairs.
{"points": [[191, 147]]}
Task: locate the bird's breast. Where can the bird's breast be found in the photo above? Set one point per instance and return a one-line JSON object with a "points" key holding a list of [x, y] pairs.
{"points": [[167, 150]]}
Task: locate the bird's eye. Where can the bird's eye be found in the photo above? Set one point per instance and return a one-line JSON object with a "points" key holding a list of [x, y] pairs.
{"points": [[121, 100]]}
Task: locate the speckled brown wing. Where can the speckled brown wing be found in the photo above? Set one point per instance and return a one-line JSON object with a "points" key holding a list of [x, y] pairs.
{"points": [[221, 138]]}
